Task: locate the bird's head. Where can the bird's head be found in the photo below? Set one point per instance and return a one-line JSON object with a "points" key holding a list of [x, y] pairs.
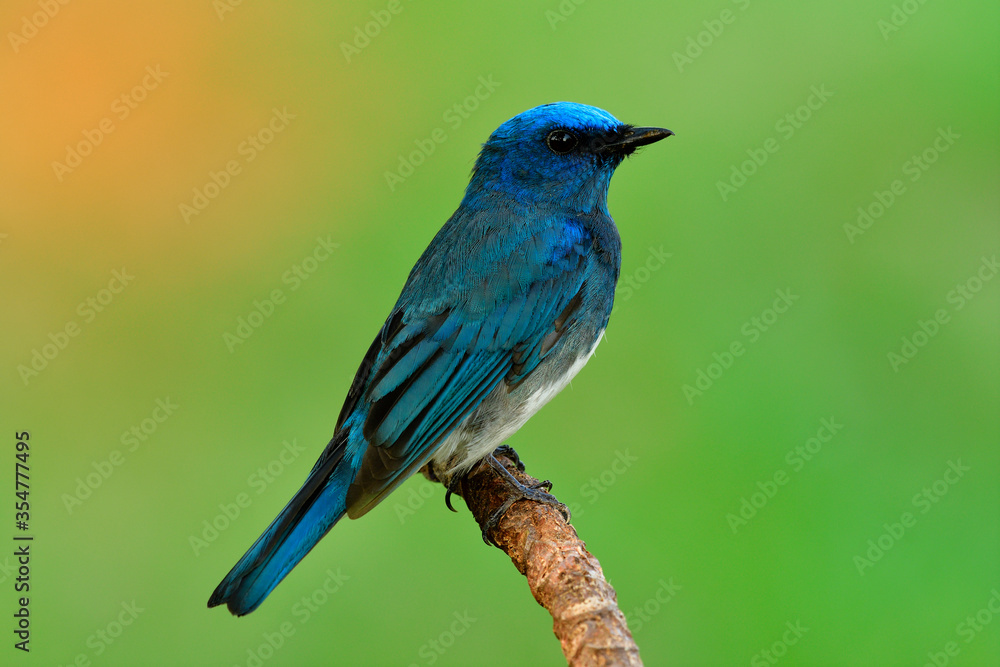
{"points": [[562, 153]]}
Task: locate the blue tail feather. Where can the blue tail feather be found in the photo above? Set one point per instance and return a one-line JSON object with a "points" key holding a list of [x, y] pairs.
{"points": [[308, 516]]}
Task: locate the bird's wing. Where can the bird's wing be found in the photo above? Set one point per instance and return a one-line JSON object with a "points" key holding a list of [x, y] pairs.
{"points": [[426, 372]]}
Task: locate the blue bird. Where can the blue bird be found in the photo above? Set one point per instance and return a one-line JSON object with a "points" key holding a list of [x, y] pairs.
{"points": [[504, 307]]}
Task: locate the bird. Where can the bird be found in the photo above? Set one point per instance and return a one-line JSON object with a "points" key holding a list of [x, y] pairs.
{"points": [[504, 307]]}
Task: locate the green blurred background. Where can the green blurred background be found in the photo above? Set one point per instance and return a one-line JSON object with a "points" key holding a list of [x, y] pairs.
{"points": [[657, 474]]}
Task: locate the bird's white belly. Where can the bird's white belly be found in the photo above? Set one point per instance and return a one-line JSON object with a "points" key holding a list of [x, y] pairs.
{"points": [[477, 441]]}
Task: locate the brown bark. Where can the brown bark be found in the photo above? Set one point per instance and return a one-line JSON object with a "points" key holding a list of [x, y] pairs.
{"points": [[562, 575]]}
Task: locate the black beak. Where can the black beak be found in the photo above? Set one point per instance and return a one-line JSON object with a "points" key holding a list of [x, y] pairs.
{"points": [[628, 139]]}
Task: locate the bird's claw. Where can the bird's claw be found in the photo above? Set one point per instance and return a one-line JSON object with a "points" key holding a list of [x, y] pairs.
{"points": [[455, 482], [538, 493], [548, 499], [545, 484], [508, 451]]}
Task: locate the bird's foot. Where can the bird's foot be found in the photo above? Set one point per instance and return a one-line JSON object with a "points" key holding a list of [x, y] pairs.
{"points": [[456, 481], [536, 492]]}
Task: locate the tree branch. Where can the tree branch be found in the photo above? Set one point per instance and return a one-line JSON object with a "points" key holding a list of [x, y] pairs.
{"points": [[562, 575]]}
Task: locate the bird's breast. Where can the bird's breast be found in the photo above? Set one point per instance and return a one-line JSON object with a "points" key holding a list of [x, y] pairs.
{"points": [[506, 410]]}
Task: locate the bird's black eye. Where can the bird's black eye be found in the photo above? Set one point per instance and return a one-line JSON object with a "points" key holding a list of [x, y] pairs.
{"points": [[561, 141]]}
